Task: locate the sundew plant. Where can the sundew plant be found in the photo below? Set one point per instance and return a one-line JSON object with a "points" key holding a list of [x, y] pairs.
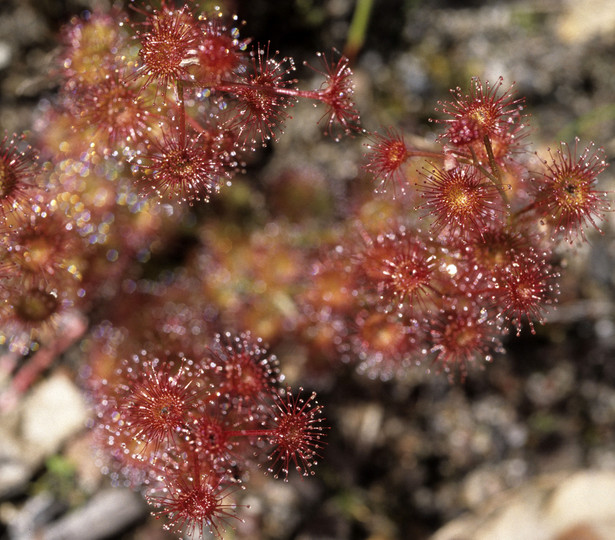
{"points": [[160, 110]]}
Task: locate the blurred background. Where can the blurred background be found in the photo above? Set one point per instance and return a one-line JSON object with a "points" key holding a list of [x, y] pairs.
{"points": [[533, 431]]}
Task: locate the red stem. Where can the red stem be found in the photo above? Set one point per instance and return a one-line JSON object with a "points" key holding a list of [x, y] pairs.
{"points": [[250, 433], [424, 153], [75, 327], [232, 88], [182, 113]]}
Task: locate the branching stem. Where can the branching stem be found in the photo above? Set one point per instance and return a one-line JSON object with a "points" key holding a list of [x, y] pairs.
{"points": [[495, 175], [182, 113]]}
